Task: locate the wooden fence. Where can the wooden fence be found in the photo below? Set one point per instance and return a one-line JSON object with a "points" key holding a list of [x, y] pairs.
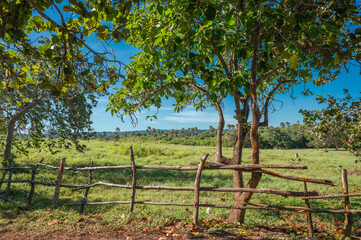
{"points": [[305, 195]]}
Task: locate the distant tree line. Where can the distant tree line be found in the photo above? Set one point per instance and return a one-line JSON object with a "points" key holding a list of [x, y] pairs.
{"points": [[285, 136]]}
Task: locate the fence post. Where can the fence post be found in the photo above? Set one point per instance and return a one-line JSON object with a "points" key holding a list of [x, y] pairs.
{"points": [[348, 216], [85, 198], [32, 189], [58, 183], [134, 180], [9, 181], [196, 188], [309, 218]]}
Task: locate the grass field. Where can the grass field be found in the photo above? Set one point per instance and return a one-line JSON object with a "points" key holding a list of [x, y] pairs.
{"points": [[321, 164]]}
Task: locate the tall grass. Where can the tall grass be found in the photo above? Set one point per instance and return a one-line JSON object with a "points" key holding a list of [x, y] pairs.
{"points": [[321, 164]]}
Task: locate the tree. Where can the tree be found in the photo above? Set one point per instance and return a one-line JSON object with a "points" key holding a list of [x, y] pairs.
{"points": [[230, 127], [66, 51], [340, 119], [199, 52], [34, 110]]}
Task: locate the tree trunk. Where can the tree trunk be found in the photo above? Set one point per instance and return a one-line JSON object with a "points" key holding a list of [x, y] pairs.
{"points": [[245, 197], [8, 142], [219, 157], [11, 127], [242, 116]]}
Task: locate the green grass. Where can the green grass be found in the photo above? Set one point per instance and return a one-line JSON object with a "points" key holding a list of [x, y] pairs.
{"points": [[322, 164]]}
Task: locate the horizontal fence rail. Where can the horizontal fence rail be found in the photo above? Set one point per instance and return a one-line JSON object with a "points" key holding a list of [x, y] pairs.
{"points": [[252, 206], [258, 168], [182, 168]]}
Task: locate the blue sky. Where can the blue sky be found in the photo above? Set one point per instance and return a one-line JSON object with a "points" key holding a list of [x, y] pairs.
{"points": [[168, 119]]}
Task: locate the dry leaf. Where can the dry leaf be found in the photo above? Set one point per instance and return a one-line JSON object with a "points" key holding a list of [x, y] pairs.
{"points": [[55, 221], [176, 235]]}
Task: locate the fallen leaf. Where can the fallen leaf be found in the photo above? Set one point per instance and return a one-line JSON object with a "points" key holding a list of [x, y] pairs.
{"points": [[146, 229], [55, 221], [122, 216], [176, 235]]}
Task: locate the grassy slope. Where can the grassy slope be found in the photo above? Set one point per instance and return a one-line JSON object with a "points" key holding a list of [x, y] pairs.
{"points": [[322, 164]]}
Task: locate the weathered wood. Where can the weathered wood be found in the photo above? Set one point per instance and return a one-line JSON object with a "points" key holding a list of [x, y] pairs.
{"points": [[85, 197], [187, 168], [134, 180], [15, 168], [44, 183], [196, 188], [309, 217], [348, 216], [301, 179], [32, 189], [210, 189], [58, 183], [334, 196], [9, 181], [251, 206]]}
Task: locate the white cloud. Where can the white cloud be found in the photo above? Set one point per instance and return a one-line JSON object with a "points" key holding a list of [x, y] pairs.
{"points": [[197, 117]]}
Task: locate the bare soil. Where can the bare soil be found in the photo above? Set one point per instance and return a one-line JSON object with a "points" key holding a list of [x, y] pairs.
{"points": [[262, 233]]}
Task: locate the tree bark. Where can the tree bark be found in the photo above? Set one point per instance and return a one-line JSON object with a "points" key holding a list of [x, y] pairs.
{"points": [[11, 128], [245, 197], [8, 142], [242, 116], [219, 156]]}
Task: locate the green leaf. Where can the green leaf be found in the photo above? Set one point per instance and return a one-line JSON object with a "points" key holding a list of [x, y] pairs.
{"points": [[103, 28], [293, 61], [98, 59], [85, 72], [38, 19], [158, 40], [25, 69]]}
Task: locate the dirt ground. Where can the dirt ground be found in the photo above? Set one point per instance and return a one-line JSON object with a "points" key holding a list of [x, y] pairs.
{"points": [[156, 235]]}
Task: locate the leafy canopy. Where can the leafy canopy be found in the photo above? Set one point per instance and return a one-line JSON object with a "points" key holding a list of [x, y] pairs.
{"points": [[199, 51]]}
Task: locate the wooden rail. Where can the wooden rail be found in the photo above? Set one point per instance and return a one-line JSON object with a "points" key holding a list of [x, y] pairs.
{"points": [[182, 168], [305, 195]]}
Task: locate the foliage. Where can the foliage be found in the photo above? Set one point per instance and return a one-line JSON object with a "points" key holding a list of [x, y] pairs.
{"points": [[194, 51], [57, 73], [68, 29], [33, 114], [340, 119]]}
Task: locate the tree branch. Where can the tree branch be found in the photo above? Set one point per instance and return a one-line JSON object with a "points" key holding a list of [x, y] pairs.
{"points": [[69, 33], [270, 72], [268, 99]]}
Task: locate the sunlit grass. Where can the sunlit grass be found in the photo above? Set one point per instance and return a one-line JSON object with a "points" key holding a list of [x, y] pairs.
{"points": [[321, 164]]}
